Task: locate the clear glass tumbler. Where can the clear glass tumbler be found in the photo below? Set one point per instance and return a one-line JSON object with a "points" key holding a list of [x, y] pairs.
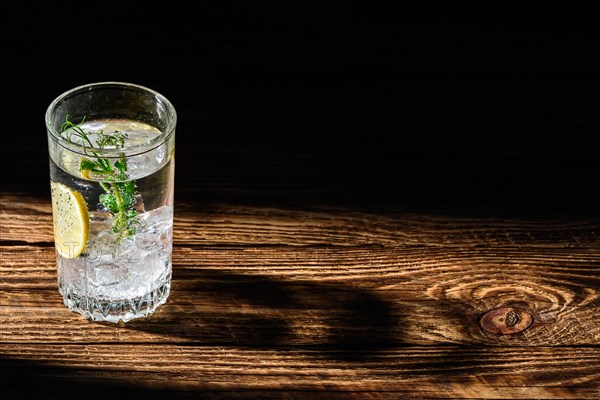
{"points": [[111, 148]]}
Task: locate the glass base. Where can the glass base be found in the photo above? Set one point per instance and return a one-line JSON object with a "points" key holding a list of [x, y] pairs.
{"points": [[116, 311]]}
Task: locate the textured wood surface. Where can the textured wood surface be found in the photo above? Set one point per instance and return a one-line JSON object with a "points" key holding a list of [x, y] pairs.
{"points": [[161, 370], [324, 303]]}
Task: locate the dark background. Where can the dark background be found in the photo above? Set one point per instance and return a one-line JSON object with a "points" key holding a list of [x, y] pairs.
{"points": [[349, 106]]}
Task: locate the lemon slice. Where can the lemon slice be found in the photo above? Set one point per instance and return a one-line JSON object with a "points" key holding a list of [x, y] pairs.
{"points": [[71, 220], [86, 174]]}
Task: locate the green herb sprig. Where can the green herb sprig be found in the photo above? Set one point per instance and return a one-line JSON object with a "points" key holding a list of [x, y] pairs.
{"points": [[119, 196]]}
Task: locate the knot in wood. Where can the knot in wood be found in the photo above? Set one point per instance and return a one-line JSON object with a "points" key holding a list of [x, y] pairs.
{"points": [[506, 320], [512, 318]]}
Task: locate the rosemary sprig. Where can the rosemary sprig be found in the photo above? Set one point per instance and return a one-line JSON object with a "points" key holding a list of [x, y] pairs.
{"points": [[120, 193]]}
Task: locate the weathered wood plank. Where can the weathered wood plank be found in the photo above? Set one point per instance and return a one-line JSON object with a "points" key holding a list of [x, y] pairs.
{"points": [[29, 220], [439, 272], [323, 296], [299, 373], [348, 322]]}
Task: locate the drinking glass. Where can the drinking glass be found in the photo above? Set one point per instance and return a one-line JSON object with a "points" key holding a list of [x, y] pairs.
{"points": [[111, 150]]}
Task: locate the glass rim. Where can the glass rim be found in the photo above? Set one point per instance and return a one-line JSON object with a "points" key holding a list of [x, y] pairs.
{"points": [[139, 149]]}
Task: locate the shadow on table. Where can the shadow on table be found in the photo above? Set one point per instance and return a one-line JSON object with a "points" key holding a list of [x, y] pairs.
{"points": [[29, 379], [224, 308], [219, 308]]}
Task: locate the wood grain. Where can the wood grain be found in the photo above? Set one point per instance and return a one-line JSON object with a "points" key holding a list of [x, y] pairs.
{"points": [[271, 302], [316, 295], [233, 372], [28, 219]]}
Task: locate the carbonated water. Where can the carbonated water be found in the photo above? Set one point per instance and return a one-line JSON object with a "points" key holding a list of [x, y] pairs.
{"points": [[123, 273]]}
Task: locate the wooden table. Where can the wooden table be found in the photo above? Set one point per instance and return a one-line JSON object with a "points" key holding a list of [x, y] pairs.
{"points": [[348, 224], [319, 302]]}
